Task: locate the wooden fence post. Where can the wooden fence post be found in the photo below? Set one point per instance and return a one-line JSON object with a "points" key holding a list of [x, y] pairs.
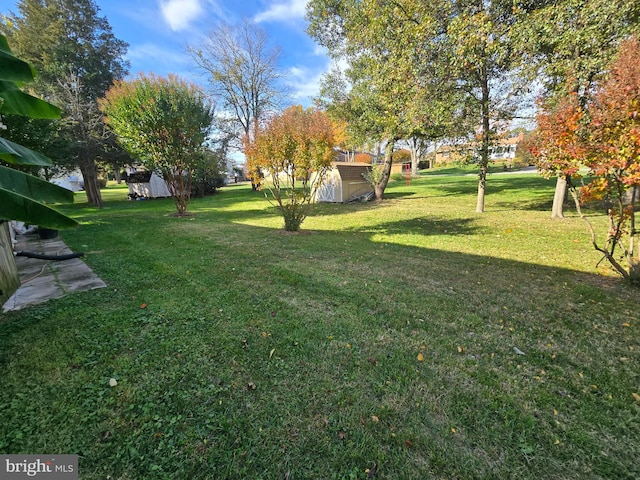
{"points": [[9, 279]]}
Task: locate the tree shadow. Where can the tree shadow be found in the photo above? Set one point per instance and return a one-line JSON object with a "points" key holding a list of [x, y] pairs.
{"points": [[425, 226]]}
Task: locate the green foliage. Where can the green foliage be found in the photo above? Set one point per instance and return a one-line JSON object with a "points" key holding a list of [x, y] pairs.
{"points": [[374, 175], [419, 72], [78, 58], [571, 41], [22, 196], [208, 175], [165, 123]]}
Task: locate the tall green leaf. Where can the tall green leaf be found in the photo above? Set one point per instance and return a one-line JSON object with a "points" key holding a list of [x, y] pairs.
{"points": [[12, 68], [32, 187], [17, 102], [18, 207], [18, 155]]}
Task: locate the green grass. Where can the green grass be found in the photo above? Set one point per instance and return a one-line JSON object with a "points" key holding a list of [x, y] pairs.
{"points": [[327, 325], [460, 169]]}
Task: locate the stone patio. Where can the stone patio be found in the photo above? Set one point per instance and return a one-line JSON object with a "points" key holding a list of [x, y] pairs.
{"points": [[43, 280]]}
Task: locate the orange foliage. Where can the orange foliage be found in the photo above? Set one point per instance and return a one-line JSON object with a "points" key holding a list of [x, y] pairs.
{"points": [[362, 158], [606, 139], [298, 141]]}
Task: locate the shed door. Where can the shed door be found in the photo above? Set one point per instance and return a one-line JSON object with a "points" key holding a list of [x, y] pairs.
{"points": [[327, 191]]}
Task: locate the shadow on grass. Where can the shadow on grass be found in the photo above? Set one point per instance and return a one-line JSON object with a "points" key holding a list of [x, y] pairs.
{"points": [[188, 321], [425, 226]]}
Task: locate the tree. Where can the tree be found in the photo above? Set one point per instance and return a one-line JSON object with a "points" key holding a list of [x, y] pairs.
{"points": [[78, 58], [23, 197], [243, 74], [295, 149], [165, 123], [570, 43], [422, 72], [603, 136]]}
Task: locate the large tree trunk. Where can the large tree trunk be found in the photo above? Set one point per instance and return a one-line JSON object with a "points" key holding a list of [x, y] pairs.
{"points": [[486, 139], [89, 171], [557, 210], [414, 157], [482, 186], [386, 170]]}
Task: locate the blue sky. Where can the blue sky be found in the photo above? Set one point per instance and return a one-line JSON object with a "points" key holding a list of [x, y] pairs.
{"points": [[158, 31]]}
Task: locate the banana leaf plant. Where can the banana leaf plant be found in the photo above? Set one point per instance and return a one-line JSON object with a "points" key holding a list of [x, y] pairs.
{"points": [[25, 197]]}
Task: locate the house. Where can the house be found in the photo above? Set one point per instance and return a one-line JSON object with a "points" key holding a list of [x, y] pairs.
{"points": [[504, 150], [344, 182]]}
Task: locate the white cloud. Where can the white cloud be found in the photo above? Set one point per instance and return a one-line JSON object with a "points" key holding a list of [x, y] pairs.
{"points": [[283, 11], [157, 57], [305, 84], [180, 13]]}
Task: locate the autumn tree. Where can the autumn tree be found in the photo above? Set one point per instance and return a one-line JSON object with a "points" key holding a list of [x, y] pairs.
{"points": [[294, 150], [243, 75], [165, 123], [77, 58], [566, 45], [603, 136]]}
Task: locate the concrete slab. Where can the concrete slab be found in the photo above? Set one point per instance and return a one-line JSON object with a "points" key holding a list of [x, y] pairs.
{"points": [[43, 280]]}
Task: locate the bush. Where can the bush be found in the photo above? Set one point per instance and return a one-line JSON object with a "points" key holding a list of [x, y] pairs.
{"points": [[362, 158], [401, 156]]}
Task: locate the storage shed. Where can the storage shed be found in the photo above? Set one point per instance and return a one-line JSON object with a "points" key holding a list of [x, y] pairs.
{"points": [[148, 185], [344, 182]]}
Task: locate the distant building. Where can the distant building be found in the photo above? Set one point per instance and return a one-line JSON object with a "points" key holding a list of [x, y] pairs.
{"points": [[504, 150]]}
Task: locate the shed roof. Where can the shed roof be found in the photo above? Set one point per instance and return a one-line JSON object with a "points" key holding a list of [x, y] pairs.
{"points": [[352, 170]]}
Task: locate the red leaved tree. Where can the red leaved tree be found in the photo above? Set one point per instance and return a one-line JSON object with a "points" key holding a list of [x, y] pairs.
{"points": [[605, 138], [293, 151]]}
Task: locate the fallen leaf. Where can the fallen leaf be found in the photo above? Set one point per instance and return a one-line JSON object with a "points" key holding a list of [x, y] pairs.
{"points": [[272, 352], [144, 305], [460, 349], [626, 324], [113, 382], [555, 412], [251, 386], [375, 419], [342, 435], [518, 351], [556, 442], [636, 396], [408, 443], [420, 357]]}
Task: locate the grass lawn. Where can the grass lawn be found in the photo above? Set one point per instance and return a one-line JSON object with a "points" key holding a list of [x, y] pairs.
{"points": [[380, 342]]}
